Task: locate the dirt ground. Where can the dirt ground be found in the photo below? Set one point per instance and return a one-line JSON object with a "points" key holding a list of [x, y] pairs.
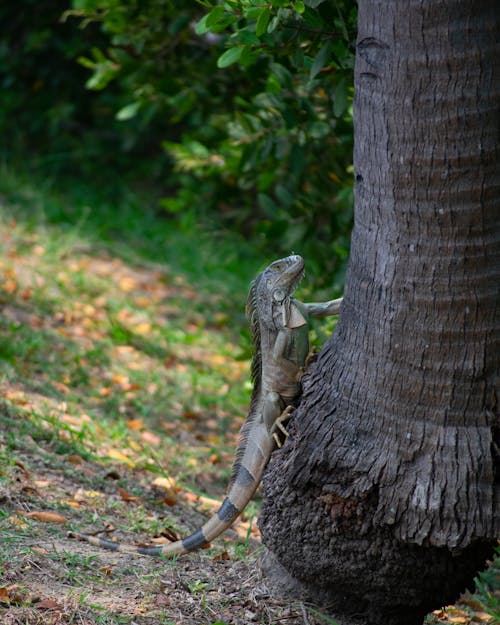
{"points": [[49, 579]]}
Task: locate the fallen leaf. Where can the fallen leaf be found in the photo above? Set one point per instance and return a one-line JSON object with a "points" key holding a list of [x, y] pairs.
{"points": [[18, 521], [40, 550], [160, 540], [170, 500], [149, 437], [107, 570], [471, 601], [142, 302], [127, 284], [118, 455], [191, 497], [16, 397], [168, 490], [135, 424], [219, 359], [48, 604], [168, 483], [133, 387], [76, 420], [75, 459], [120, 380], [82, 495], [73, 503], [25, 471], [4, 595], [10, 286], [482, 617], [189, 414], [60, 386], [142, 328], [47, 517], [126, 496], [89, 310]]}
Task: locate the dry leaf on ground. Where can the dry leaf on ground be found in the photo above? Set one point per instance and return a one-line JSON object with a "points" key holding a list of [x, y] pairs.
{"points": [[47, 517]]}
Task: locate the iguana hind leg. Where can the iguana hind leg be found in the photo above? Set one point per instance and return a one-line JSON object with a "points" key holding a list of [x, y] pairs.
{"points": [[278, 425], [274, 413]]}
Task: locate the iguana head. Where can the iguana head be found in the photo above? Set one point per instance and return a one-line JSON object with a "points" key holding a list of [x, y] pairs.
{"points": [[272, 289]]}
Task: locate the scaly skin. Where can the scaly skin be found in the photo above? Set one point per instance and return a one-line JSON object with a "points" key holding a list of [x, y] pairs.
{"points": [[281, 345]]}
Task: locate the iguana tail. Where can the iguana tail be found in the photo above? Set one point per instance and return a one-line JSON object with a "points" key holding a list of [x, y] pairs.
{"points": [[246, 478], [220, 521]]}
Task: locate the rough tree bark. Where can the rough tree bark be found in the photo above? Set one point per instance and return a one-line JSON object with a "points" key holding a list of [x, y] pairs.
{"points": [[385, 501]]}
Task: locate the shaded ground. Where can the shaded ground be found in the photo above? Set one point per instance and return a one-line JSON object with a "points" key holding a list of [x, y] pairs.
{"points": [[123, 386], [55, 576]]}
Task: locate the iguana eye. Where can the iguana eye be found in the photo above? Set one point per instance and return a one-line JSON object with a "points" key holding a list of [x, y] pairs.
{"points": [[277, 267]]}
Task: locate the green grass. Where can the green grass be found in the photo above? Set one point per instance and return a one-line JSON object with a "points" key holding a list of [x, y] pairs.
{"points": [[116, 312], [123, 357]]}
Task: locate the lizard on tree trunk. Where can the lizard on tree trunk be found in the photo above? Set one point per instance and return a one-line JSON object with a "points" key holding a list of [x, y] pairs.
{"points": [[281, 345]]}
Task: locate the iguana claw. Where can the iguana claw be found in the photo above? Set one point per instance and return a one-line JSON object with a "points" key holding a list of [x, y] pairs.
{"points": [[284, 416]]}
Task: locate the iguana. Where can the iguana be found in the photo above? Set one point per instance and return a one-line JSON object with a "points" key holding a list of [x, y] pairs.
{"points": [[281, 344]]}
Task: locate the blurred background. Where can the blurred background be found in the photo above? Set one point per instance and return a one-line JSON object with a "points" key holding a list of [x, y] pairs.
{"points": [[239, 124]]}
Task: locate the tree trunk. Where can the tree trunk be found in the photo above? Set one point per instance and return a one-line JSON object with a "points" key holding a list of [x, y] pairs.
{"points": [[385, 501]]}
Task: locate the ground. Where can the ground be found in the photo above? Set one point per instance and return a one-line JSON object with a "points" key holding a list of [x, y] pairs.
{"points": [[123, 382]]}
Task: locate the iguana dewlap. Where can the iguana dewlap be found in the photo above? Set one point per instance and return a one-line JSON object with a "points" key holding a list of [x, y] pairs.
{"points": [[280, 338]]}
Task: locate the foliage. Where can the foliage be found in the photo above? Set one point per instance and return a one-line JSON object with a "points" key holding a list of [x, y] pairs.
{"points": [[48, 118], [238, 114], [488, 588], [258, 102]]}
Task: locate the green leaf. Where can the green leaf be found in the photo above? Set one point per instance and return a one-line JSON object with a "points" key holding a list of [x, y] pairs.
{"points": [[312, 19], [229, 57], [88, 63], [282, 74], [318, 130], [201, 27], [103, 74], [273, 24], [252, 13], [262, 22], [248, 56], [246, 36], [129, 111], [320, 60], [215, 15], [297, 58], [299, 6], [268, 205], [313, 3], [340, 98]]}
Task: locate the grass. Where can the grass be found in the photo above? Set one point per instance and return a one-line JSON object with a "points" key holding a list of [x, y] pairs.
{"points": [[124, 381], [124, 361]]}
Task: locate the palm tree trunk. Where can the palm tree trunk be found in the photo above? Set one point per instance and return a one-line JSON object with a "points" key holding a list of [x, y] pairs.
{"points": [[387, 497]]}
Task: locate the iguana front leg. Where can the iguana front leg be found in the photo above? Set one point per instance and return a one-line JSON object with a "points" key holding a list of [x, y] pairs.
{"points": [[321, 309]]}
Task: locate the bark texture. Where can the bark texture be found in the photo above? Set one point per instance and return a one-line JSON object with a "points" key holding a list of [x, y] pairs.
{"points": [[387, 496]]}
